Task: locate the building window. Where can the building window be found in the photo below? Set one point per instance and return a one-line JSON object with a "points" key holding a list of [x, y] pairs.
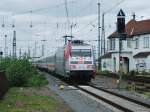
{"points": [[146, 42], [108, 45], [136, 43], [128, 42], [122, 45], [112, 44]]}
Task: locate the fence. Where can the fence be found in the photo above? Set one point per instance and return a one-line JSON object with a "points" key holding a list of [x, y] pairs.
{"points": [[3, 84]]}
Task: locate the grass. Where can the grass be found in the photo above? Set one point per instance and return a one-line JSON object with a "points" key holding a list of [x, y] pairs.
{"points": [[30, 100], [147, 94]]}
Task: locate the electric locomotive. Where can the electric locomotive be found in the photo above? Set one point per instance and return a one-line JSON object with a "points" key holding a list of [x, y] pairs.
{"points": [[75, 60]]}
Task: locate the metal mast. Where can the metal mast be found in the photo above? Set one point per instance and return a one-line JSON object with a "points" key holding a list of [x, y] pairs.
{"points": [[103, 36], [14, 44], [35, 49], [5, 49], [99, 63], [43, 46]]}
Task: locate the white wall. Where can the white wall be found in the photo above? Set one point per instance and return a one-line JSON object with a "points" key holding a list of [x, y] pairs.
{"points": [[148, 63], [141, 44], [129, 52], [108, 64]]}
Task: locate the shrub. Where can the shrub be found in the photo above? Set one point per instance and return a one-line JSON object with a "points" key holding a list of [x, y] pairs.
{"points": [[144, 73], [133, 73], [20, 72], [37, 80], [4, 63]]}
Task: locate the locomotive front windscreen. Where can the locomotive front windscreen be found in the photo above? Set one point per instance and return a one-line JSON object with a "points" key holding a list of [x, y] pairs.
{"points": [[81, 52]]}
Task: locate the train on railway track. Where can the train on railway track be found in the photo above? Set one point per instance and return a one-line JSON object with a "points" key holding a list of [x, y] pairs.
{"points": [[75, 60]]}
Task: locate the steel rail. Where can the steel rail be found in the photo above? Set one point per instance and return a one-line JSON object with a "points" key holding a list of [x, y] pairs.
{"points": [[121, 96], [105, 100]]}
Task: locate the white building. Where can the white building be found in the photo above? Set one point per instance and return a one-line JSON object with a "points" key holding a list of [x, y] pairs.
{"points": [[135, 49]]}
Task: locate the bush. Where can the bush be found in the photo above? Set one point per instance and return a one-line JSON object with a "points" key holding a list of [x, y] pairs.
{"points": [[5, 63], [103, 72], [133, 73], [144, 73], [20, 72], [37, 80]]}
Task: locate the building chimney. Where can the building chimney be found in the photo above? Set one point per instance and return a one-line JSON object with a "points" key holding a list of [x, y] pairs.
{"points": [[133, 15]]}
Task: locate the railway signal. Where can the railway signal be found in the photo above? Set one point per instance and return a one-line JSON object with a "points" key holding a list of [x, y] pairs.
{"points": [[121, 25], [121, 36]]}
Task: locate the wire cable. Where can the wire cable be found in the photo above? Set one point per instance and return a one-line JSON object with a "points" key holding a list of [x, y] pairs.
{"points": [[67, 13], [120, 2]]}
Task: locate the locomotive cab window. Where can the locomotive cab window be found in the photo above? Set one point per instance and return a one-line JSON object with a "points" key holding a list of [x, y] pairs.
{"points": [[81, 52]]}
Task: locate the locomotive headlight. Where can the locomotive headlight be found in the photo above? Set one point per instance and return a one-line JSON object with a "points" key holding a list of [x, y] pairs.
{"points": [[72, 66], [89, 66]]}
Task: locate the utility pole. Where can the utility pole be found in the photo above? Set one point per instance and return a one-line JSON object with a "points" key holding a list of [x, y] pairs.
{"points": [[35, 49], [29, 52], [43, 46], [5, 49], [71, 28], [103, 35], [10, 53], [99, 60], [20, 53], [14, 44], [33, 52]]}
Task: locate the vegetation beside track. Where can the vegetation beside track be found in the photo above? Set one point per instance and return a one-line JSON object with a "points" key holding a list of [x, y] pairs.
{"points": [[147, 94], [31, 99], [21, 73], [27, 91]]}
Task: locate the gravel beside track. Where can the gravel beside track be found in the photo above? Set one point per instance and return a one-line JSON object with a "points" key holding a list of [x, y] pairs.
{"points": [[80, 102], [76, 100], [111, 84]]}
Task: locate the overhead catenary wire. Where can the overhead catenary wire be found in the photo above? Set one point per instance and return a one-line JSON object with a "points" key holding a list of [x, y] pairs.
{"points": [[90, 3], [67, 13], [91, 22], [39, 9], [120, 2], [85, 26]]}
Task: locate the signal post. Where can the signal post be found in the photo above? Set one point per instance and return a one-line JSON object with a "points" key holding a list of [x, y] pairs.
{"points": [[122, 36]]}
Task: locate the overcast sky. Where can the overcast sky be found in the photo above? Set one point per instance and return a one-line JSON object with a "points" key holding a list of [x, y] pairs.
{"points": [[49, 20]]}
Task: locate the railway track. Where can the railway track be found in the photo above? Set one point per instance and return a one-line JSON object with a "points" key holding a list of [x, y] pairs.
{"points": [[121, 103], [117, 101], [121, 96]]}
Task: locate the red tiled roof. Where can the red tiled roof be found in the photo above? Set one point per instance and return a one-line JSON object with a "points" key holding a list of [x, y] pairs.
{"points": [[134, 27], [141, 55], [107, 55]]}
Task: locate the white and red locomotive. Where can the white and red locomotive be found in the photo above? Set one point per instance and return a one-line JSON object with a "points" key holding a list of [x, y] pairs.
{"points": [[75, 60]]}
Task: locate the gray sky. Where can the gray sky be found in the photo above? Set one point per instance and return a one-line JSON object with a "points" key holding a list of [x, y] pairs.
{"points": [[49, 21]]}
